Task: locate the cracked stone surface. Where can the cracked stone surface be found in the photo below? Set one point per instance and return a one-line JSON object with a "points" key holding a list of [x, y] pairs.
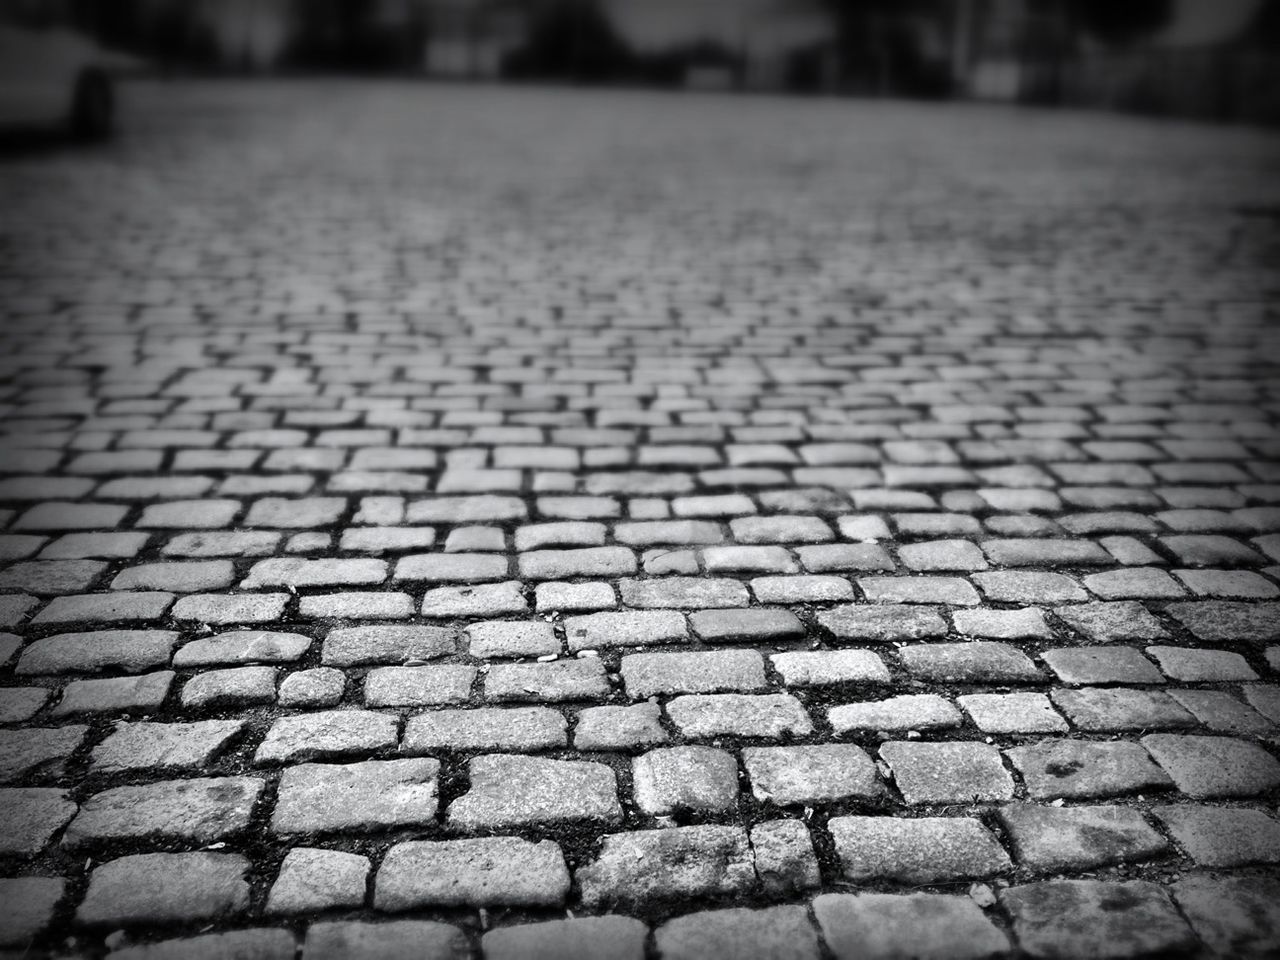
{"points": [[459, 521]]}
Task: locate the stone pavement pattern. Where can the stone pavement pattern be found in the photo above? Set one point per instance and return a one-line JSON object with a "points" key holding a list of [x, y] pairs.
{"points": [[447, 522]]}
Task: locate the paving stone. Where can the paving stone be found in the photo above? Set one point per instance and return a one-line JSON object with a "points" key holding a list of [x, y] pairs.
{"points": [[239, 686], [1112, 621], [1222, 621], [811, 774], [21, 703], [318, 687], [104, 608], [1214, 766], [1216, 836], [213, 608], [313, 880], [826, 667], [512, 638], [15, 607], [1210, 550], [753, 625], [513, 791], [801, 589], [243, 647], [923, 926], [624, 629], [198, 811], [194, 515], [948, 590], [647, 674], [644, 866], [130, 651], [418, 686], [919, 850], [825, 558], [785, 860], [220, 543], [1071, 918], [455, 568], [1071, 839], [1028, 586], [141, 694], [1223, 712], [947, 772], [882, 624], [480, 600], [57, 515], [332, 733], [666, 533], [1195, 665], [586, 562], [385, 643], [33, 815], [1012, 713], [164, 746], [485, 872], [747, 559], [37, 750], [1077, 769], [421, 939], [1101, 665], [1135, 583], [766, 716], [917, 711], [30, 903], [974, 662], [770, 933], [572, 597], [942, 555], [176, 577], [357, 606], [257, 944], [619, 728], [514, 728], [584, 938], [1235, 916], [295, 572], [157, 888], [1015, 552], [1026, 623], [51, 577], [373, 795], [9, 645], [672, 779], [306, 513], [547, 682], [1264, 698], [1104, 710]]}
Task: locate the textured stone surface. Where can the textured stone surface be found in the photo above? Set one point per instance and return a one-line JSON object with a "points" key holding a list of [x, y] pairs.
{"points": [[198, 811], [1070, 918], [583, 938], [920, 850], [1053, 839], [512, 791], [373, 795], [491, 871], [653, 865], [164, 888], [782, 933], [924, 926], [312, 880]]}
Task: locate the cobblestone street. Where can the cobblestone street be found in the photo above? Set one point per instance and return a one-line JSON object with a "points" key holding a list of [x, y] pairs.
{"points": [[449, 522]]}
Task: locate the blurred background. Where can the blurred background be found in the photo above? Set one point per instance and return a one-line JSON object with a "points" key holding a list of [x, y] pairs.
{"points": [[1213, 59]]}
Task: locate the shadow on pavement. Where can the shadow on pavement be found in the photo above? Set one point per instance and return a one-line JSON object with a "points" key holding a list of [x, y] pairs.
{"points": [[32, 141]]}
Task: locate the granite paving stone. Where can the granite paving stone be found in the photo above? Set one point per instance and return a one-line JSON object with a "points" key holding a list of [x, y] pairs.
{"points": [[917, 850]]}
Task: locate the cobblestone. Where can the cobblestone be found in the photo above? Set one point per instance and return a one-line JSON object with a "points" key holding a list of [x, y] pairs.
{"points": [[921, 850], [271, 497]]}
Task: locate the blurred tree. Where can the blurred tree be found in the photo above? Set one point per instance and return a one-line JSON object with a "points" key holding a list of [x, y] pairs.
{"points": [[570, 40], [1120, 23]]}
